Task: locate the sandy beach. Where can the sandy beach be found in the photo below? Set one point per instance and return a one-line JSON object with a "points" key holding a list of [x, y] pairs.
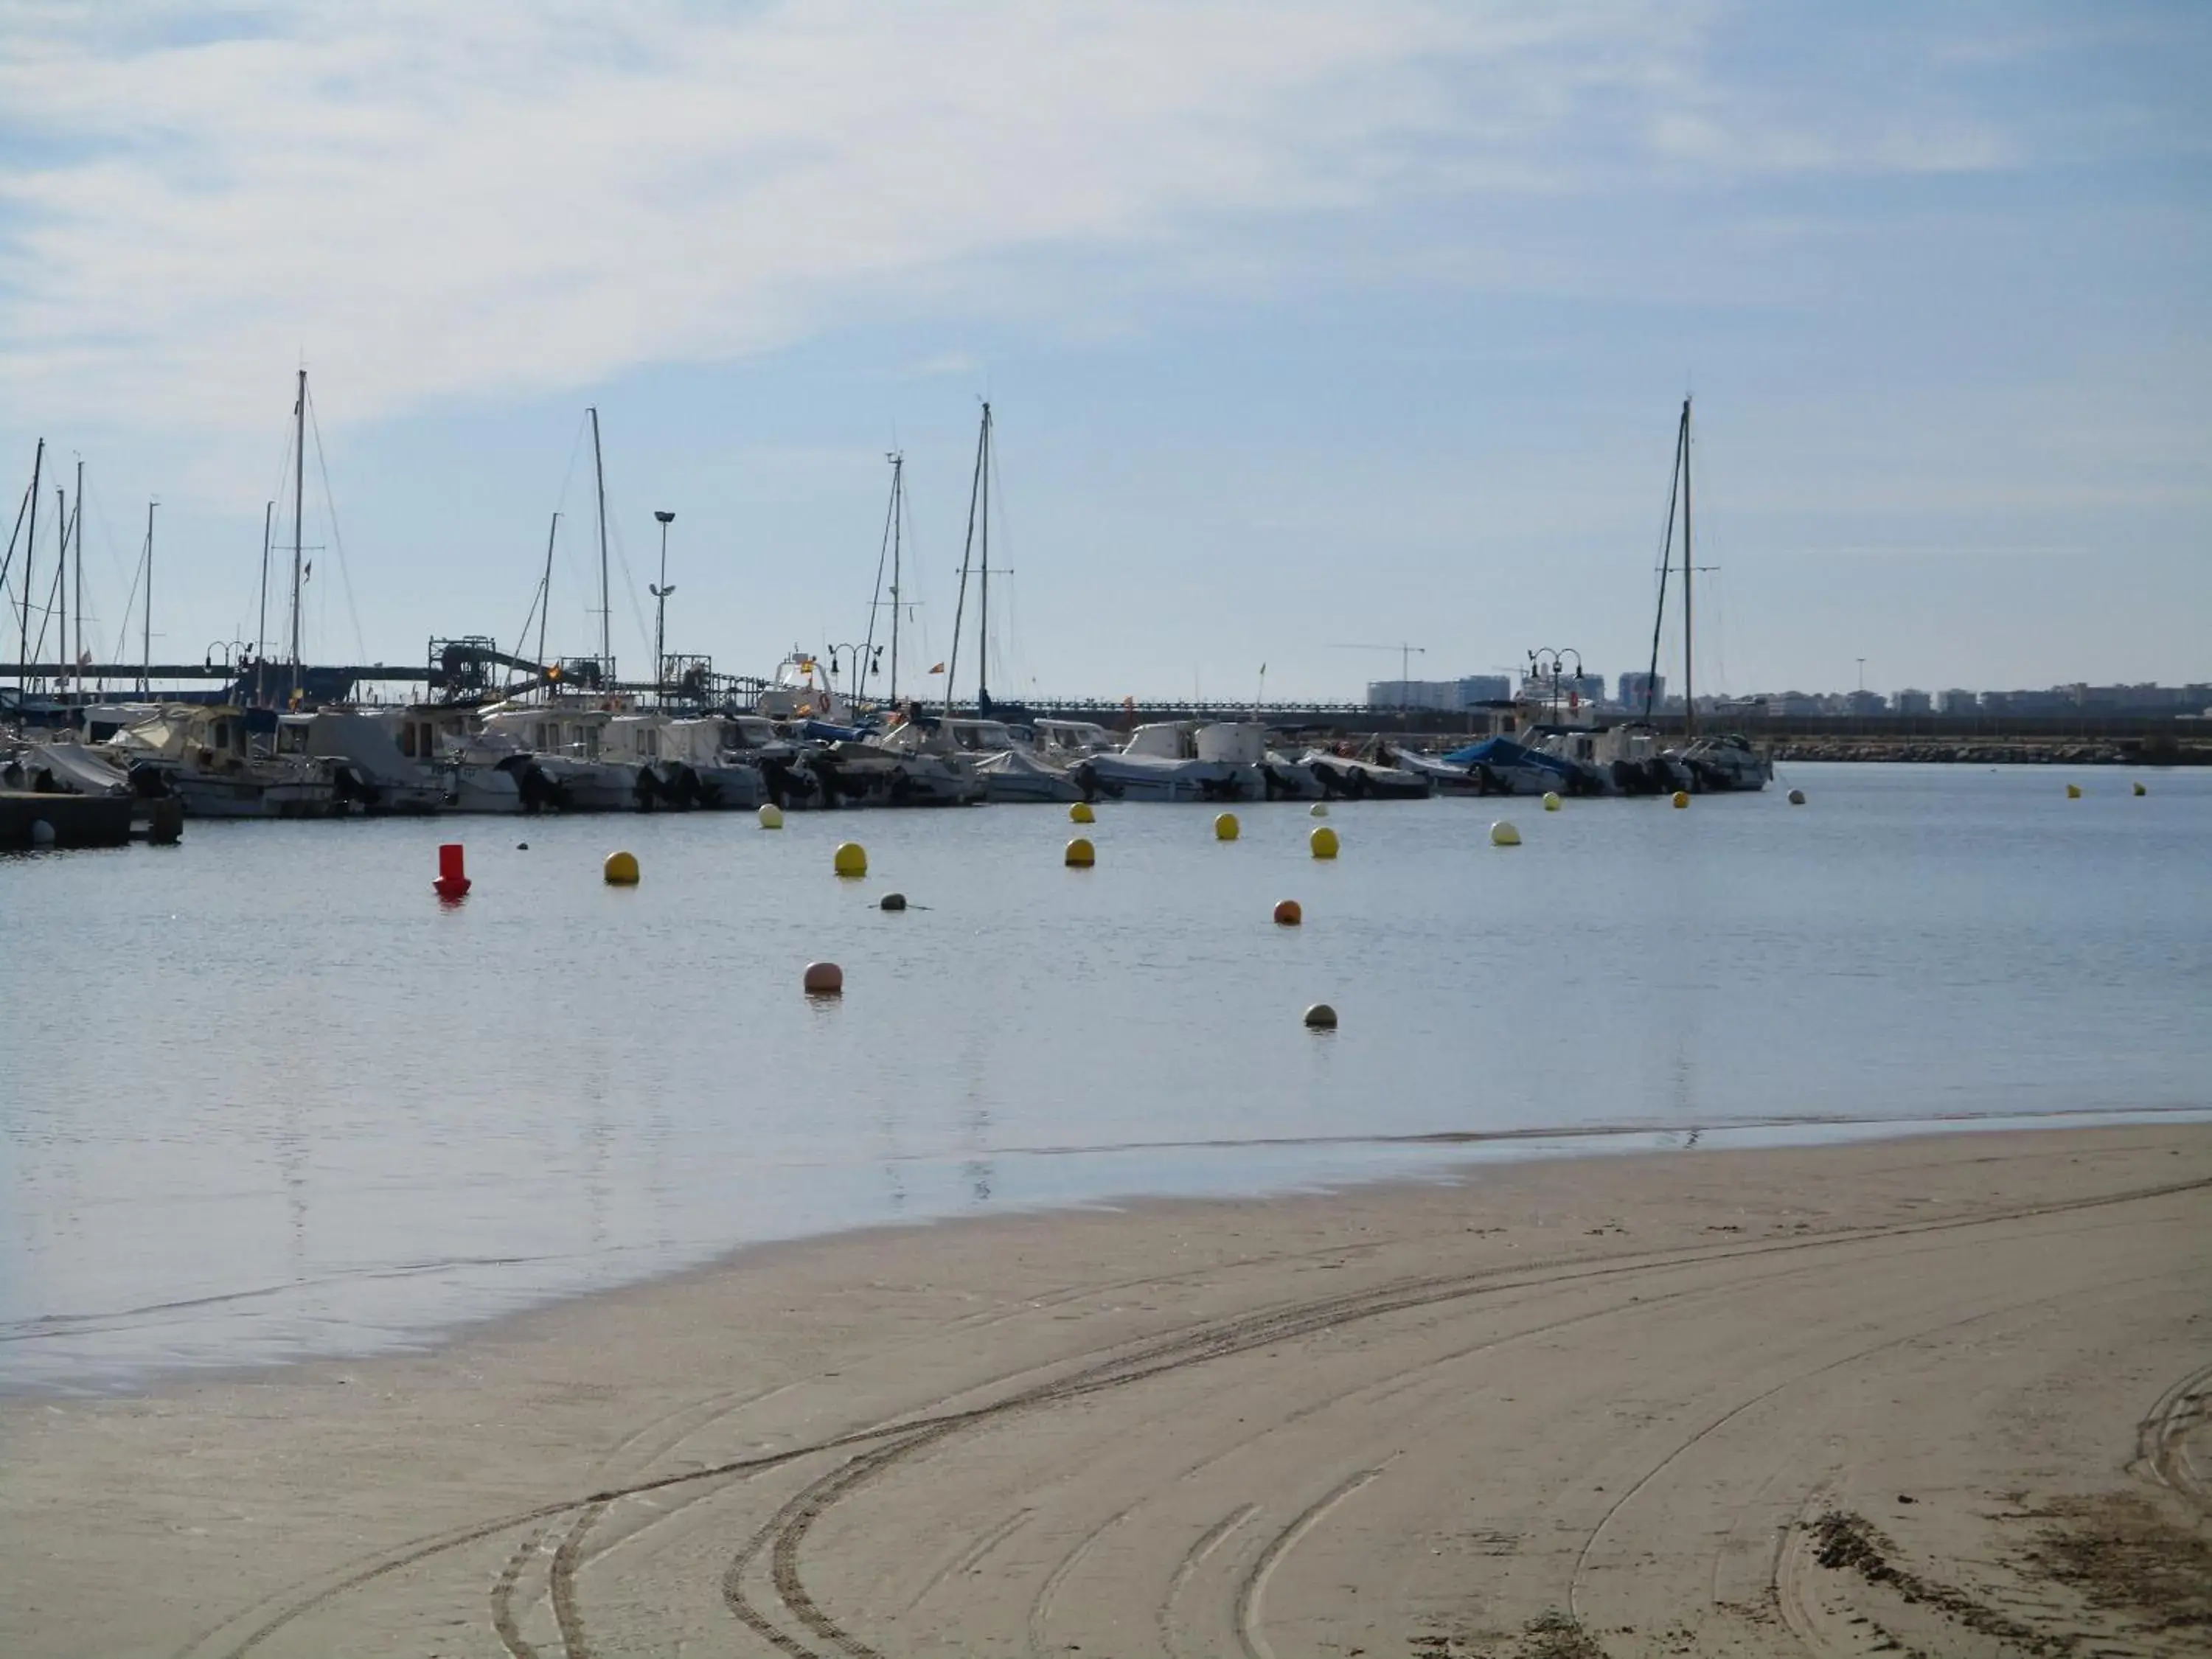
{"points": [[1944, 1396]]}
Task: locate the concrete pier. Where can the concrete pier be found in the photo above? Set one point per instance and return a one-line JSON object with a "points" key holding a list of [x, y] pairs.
{"points": [[75, 820]]}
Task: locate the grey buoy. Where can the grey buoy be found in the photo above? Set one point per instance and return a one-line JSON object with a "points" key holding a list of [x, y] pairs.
{"points": [[1796, 797], [1320, 1017], [42, 833]]}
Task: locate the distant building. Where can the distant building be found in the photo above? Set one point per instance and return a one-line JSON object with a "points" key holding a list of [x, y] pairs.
{"points": [[1863, 703], [1954, 702], [1640, 683], [1915, 703], [1446, 697]]}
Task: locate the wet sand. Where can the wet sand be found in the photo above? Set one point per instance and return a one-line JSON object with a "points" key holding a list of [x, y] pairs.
{"points": [[1945, 1395]]}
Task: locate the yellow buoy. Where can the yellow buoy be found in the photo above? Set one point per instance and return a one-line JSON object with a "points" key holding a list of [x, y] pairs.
{"points": [[1681, 797], [1225, 826], [1502, 834], [621, 870], [1081, 813], [771, 816], [852, 859], [1323, 842], [824, 978], [1081, 855], [1288, 913], [1796, 797], [1551, 800], [2139, 790], [1318, 810], [2072, 792], [1320, 1017]]}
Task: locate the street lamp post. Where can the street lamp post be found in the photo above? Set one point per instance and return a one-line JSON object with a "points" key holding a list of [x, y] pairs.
{"points": [[1538, 673], [660, 613]]}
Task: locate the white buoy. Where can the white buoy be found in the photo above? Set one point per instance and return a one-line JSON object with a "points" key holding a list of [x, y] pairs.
{"points": [[1318, 810], [1551, 800], [42, 833], [1502, 834]]}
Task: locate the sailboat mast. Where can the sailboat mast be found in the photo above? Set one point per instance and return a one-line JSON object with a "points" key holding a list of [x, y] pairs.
{"points": [[983, 613], [545, 587], [599, 476], [146, 618], [299, 517], [61, 581], [898, 550], [1666, 569], [1689, 613], [30, 555], [76, 645], [261, 620], [967, 560]]}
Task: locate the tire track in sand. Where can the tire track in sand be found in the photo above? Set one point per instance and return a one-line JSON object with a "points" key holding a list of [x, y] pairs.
{"points": [[1201, 1341]]}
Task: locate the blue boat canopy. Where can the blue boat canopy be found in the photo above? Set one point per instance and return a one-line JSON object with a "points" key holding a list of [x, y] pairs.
{"points": [[1503, 751]]}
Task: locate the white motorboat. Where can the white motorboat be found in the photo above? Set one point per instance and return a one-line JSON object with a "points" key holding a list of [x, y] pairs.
{"points": [[555, 749], [854, 774], [368, 770], [474, 774], [680, 761], [1007, 767], [1723, 765], [1366, 777], [1180, 761], [200, 754]]}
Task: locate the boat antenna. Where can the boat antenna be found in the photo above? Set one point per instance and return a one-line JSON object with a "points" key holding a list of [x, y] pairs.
{"points": [[599, 475], [1666, 558]]}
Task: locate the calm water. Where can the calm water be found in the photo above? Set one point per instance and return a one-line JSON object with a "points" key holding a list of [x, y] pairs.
{"points": [[264, 1096]]}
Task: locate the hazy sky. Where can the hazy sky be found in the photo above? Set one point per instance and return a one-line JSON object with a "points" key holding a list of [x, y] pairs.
{"points": [[1305, 326]]}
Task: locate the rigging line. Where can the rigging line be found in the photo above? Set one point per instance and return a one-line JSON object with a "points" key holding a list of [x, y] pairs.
{"points": [[541, 592], [129, 601], [997, 485], [22, 508], [114, 559], [560, 506], [54, 592], [630, 583], [337, 541]]}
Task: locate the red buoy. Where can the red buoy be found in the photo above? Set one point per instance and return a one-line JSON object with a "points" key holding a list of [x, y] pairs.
{"points": [[452, 883]]}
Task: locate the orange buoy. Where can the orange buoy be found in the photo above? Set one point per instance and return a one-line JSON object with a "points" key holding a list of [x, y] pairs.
{"points": [[824, 978], [1287, 912]]}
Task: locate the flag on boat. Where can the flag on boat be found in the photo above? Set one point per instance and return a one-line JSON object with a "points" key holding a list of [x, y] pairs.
{"points": [[940, 669]]}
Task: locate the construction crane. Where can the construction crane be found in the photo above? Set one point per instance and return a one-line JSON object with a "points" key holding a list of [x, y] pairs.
{"points": [[1406, 654]]}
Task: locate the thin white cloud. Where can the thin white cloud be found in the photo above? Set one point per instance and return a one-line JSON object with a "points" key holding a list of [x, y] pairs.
{"points": [[434, 200]]}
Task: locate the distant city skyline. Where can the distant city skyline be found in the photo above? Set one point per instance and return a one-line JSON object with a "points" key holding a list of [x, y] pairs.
{"points": [[1310, 338]]}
